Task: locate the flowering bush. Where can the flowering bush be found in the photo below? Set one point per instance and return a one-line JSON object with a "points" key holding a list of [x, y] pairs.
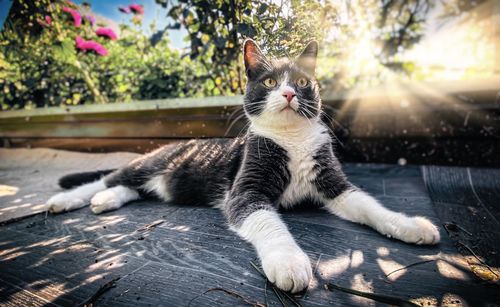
{"points": [[68, 60]]}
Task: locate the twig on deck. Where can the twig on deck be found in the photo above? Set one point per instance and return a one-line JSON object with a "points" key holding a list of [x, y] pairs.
{"points": [[391, 300], [472, 252], [103, 289], [265, 293], [151, 226], [279, 293], [232, 293], [410, 265], [454, 227], [478, 258]]}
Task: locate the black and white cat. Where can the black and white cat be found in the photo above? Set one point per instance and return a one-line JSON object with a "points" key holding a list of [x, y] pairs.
{"points": [[285, 158]]}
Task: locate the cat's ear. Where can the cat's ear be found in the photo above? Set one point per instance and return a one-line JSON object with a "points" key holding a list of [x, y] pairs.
{"points": [[255, 60], [307, 59]]}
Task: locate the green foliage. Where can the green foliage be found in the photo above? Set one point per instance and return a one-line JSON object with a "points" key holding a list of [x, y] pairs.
{"points": [[45, 68]]}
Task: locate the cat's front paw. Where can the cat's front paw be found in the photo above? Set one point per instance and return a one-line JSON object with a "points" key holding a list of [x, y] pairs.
{"points": [[288, 268], [64, 202], [420, 230]]}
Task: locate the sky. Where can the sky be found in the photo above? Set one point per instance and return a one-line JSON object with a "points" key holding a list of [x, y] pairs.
{"points": [[109, 9], [4, 10]]}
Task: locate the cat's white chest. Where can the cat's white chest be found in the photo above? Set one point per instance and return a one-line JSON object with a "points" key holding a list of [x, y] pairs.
{"points": [[302, 175], [301, 149]]}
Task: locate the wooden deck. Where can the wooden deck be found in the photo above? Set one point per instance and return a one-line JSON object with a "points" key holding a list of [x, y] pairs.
{"points": [[65, 259]]}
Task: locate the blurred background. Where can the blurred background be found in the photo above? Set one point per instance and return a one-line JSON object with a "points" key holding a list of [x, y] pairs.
{"points": [[403, 81], [164, 49]]}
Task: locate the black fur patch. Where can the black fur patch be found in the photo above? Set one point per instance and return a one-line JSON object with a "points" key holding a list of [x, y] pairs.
{"points": [[261, 180], [203, 176], [77, 179], [331, 180], [197, 172]]}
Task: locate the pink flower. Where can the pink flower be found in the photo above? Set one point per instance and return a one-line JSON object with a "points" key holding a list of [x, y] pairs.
{"points": [[90, 45], [48, 20], [106, 32], [124, 9], [77, 18], [136, 9]]}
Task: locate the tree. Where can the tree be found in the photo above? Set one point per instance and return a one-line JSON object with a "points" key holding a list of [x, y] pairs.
{"points": [[216, 30]]}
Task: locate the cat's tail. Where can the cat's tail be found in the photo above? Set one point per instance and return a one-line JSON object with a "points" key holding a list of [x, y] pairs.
{"points": [[77, 179]]}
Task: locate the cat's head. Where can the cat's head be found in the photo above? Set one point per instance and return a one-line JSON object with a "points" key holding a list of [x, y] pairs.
{"points": [[281, 93]]}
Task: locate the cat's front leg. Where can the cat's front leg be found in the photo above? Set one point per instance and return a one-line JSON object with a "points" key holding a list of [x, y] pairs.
{"points": [[358, 206], [283, 261]]}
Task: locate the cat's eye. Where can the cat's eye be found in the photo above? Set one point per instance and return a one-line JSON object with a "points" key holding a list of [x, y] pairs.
{"points": [[270, 82], [302, 82]]}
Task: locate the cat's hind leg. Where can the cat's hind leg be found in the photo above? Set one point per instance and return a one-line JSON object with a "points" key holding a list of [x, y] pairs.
{"points": [[357, 206], [76, 198], [112, 198]]}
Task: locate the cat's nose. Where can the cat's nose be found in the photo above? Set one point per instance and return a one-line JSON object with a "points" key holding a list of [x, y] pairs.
{"points": [[289, 94]]}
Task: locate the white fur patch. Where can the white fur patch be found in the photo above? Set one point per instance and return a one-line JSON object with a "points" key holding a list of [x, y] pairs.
{"points": [[284, 263], [158, 185], [301, 146], [359, 207], [112, 198], [76, 198]]}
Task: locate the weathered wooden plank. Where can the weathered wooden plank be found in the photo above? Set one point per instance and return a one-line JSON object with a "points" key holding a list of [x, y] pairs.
{"points": [[56, 269], [145, 105], [92, 145], [169, 285], [191, 239], [29, 177], [167, 246], [474, 228], [486, 184], [211, 253]]}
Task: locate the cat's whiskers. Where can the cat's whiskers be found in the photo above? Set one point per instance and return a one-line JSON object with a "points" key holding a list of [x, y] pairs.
{"points": [[244, 129], [265, 143], [331, 130], [258, 146], [331, 118], [234, 122], [305, 115]]}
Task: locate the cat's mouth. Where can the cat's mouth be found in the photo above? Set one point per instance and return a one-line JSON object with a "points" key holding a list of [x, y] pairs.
{"points": [[289, 107]]}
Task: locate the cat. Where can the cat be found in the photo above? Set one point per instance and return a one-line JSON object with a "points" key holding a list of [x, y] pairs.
{"points": [[285, 158]]}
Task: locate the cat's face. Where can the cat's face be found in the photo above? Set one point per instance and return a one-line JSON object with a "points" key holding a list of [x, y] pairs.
{"points": [[281, 92]]}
